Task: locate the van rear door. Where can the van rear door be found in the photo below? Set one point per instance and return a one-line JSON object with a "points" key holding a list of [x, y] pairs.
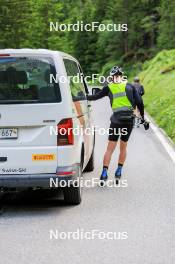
{"points": [[29, 104]]}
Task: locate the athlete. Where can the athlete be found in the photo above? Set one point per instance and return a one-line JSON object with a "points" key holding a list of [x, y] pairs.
{"points": [[124, 98], [139, 87]]}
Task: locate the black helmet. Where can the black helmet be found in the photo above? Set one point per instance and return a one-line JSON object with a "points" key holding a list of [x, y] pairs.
{"points": [[116, 71]]}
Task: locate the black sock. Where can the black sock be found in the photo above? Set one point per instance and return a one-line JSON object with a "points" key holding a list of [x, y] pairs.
{"points": [[105, 167], [120, 165]]}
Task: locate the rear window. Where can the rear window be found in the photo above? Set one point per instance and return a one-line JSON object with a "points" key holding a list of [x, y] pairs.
{"points": [[27, 80]]}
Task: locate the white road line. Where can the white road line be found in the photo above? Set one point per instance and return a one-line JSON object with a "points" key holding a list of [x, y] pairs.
{"points": [[165, 141]]}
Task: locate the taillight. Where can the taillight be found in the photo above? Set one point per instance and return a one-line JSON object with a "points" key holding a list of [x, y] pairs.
{"points": [[65, 132]]}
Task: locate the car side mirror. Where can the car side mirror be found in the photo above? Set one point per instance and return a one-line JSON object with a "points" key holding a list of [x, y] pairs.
{"points": [[95, 90]]}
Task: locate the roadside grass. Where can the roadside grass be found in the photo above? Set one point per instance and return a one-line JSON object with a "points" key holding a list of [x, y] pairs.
{"points": [[158, 78]]}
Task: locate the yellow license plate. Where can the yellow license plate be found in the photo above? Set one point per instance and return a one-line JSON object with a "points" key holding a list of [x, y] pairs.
{"points": [[43, 157]]}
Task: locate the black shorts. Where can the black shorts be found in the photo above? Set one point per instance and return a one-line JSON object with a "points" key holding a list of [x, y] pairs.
{"points": [[120, 130]]}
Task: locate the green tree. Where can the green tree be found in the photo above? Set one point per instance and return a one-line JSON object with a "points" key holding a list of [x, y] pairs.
{"points": [[14, 22], [166, 38]]}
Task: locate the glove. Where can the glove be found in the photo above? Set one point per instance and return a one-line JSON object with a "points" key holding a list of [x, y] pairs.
{"points": [[88, 97], [146, 125]]}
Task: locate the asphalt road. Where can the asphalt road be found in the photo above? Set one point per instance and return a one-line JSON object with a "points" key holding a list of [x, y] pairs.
{"points": [[144, 211]]}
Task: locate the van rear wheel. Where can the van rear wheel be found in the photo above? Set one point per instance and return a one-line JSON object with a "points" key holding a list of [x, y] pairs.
{"points": [[73, 194]]}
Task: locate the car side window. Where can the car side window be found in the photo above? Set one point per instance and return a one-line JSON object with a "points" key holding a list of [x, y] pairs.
{"points": [[76, 86], [83, 80]]}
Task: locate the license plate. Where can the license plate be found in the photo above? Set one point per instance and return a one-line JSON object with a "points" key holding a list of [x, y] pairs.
{"points": [[6, 133]]}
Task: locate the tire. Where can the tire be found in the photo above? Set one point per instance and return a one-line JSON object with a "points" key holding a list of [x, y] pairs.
{"points": [[72, 194], [90, 166]]}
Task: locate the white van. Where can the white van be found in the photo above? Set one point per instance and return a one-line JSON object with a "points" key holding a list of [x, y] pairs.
{"points": [[36, 101]]}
